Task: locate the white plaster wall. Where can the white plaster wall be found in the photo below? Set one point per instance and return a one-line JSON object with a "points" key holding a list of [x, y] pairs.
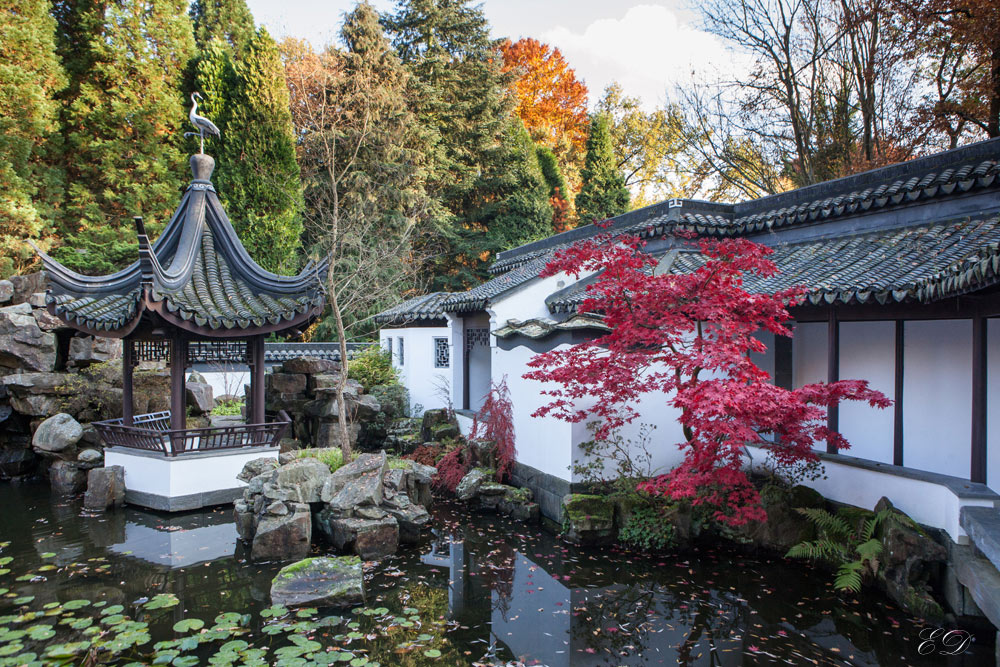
{"points": [[175, 477], [765, 360], [544, 443], [937, 396], [993, 404], [227, 381], [926, 502], [480, 361], [868, 352], [809, 353], [417, 372]]}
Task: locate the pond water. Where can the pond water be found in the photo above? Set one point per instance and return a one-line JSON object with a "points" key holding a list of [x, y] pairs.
{"points": [[479, 590]]}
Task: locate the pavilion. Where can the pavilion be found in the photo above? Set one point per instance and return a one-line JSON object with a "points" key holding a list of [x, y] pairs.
{"points": [[194, 295]]}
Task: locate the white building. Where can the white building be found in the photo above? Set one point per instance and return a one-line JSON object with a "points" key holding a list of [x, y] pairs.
{"points": [[902, 266]]}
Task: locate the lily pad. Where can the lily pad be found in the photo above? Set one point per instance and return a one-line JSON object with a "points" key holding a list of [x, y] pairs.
{"points": [[189, 624]]}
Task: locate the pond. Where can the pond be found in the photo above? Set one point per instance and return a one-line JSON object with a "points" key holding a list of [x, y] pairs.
{"points": [[479, 590]]}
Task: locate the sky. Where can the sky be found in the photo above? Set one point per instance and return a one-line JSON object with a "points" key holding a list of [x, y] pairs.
{"points": [[649, 46]]}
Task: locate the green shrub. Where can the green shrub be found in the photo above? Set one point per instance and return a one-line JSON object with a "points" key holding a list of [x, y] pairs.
{"points": [[647, 530], [228, 408], [373, 367], [394, 399]]}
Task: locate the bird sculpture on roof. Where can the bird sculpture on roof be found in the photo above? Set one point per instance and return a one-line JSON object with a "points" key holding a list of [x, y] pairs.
{"points": [[203, 125]]}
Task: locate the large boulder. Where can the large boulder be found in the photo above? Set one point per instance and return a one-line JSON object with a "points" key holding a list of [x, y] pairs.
{"points": [[66, 478], [283, 535], [327, 383], [320, 582], [370, 539], [588, 519], [105, 488], [438, 425], [468, 488], [328, 434], [357, 483], [199, 398], [310, 365], [42, 394], [6, 291], [87, 350], [56, 437], [256, 467], [23, 344], [784, 527], [412, 519], [910, 560], [299, 481], [17, 462]]}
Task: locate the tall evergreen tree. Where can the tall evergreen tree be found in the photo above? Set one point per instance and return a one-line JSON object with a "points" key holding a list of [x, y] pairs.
{"points": [[30, 75], [462, 99], [257, 175], [228, 20], [517, 208], [122, 122], [603, 193]]}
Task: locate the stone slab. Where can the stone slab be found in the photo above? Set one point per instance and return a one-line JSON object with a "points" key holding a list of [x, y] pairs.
{"points": [[192, 501], [983, 527], [981, 580]]}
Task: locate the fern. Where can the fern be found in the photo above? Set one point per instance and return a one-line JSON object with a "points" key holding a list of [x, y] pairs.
{"points": [[855, 550]]}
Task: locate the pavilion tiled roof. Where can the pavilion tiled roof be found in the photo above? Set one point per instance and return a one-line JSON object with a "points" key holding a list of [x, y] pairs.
{"points": [[196, 276], [921, 263], [423, 307]]}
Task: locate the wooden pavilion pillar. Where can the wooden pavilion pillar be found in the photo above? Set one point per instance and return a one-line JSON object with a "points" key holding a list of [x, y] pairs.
{"points": [[833, 372], [128, 365], [178, 367], [255, 413], [979, 403]]}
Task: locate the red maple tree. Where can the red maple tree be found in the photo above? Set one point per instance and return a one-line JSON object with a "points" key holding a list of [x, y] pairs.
{"points": [[689, 337]]}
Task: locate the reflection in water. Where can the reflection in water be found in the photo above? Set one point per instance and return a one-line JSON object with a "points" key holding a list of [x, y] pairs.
{"points": [[501, 589]]}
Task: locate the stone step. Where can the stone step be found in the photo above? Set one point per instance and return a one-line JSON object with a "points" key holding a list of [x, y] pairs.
{"points": [[983, 527]]}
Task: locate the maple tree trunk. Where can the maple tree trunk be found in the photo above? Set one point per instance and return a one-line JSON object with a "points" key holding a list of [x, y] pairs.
{"points": [[345, 443]]}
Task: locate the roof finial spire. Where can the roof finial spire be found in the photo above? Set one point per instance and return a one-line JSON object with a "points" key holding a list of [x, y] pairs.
{"points": [[202, 124]]}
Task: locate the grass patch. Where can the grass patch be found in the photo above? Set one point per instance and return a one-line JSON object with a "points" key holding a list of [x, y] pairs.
{"points": [[331, 456]]}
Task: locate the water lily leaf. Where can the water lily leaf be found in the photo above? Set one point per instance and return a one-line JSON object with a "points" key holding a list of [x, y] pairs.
{"points": [[162, 601], [11, 649], [41, 632], [185, 661], [189, 624], [113, 609], [165, 657], [49, 554], [381, 610], [432, 653], [113, 619], [228, 618], [67, 650], [6, 560], [274, 611], [360, 661], [234, 646], [76, 604], [81, 623], [24, 599], [306, 612]]}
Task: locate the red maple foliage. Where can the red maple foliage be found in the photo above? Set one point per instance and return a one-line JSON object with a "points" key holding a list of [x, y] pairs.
{"points": [[689, 337], [452, 467], [495, 422]]}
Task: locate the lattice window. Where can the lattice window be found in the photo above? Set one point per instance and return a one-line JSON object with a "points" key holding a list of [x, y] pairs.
{"points": [[152, 350], [476, 336], [399, 350], [442, 353], [217, 351]]}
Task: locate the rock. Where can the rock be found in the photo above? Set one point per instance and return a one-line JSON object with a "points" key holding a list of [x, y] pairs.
{"points": [[199, 397], [359, 408], [23, 345], [328, 435], [357, 483], [37, 300], [517, 504], [87, 350], [371, 539], [287, 383], [910, 559], [491, 494], [90, 438], [412, 519], [326, 384], [277, 508], [283, 537], [299, 481], [16, 462], [244, 519], [784, 527], [469, 486], [90, 456], [588, 519], [310, 365], [6, 291], [56, 437], [46, 321], [42, 394], [433, 420], [418, 484], [105, 488], [195, 376], [320, 582], [256, 467], [66, 478]]}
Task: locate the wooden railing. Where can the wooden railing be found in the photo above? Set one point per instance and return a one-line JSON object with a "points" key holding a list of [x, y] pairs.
{"points": [[152, 432]]}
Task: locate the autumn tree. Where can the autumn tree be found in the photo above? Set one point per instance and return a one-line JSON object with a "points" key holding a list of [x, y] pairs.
{"points": [[551, 101], [122, 120], [603, 193], [688, 337], [649, 146], [30, 180]]}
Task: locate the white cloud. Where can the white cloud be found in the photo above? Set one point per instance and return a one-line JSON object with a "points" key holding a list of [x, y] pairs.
{"points": [[648, 51]]}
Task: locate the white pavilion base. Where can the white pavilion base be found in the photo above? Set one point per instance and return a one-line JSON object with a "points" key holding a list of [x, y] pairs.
{"points": [[186, 481]]}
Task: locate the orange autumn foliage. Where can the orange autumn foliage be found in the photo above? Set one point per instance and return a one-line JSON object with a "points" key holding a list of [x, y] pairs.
{"points": [[551, 101]]}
